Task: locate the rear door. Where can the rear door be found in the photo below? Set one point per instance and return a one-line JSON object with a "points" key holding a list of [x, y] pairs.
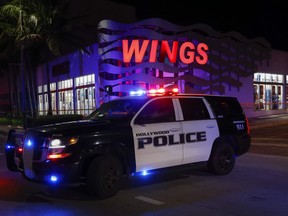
{"points": [[200, 129]]}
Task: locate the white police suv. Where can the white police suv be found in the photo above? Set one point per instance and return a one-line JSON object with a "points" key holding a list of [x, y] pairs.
{"points": [[134, 135]]}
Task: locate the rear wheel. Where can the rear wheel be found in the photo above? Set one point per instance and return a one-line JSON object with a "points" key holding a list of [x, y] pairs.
{"points": [[222, 159], [104, 177]]}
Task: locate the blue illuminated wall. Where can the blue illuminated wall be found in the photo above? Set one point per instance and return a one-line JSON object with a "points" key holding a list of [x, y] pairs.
{"points": [[232, 61], [232, 58]]}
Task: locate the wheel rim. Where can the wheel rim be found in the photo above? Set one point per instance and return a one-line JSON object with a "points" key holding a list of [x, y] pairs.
{"points": [[225, 160], [111, 178]]}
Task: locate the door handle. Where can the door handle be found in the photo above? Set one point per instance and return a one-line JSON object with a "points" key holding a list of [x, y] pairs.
{"points": [[174, 129]]}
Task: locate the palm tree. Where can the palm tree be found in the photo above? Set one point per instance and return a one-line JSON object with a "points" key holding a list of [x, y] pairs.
{"points": [[38, 29], [9, 67]]}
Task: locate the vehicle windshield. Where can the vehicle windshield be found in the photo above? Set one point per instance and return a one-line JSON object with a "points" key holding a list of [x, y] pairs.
{"points": [[118, 109]]}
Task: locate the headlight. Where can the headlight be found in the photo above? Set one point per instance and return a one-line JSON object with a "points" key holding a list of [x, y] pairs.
{"points": [[57, 145], [62, 142]]}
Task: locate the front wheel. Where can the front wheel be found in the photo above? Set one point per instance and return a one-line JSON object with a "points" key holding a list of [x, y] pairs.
{"points": [[104, 177], [222, 159]]}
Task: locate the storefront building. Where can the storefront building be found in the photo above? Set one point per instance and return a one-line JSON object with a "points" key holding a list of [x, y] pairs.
{"points": [[270, 85], [154, 53]]}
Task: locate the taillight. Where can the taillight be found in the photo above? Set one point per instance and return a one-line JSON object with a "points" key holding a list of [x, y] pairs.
{"points": [[248, 126]]}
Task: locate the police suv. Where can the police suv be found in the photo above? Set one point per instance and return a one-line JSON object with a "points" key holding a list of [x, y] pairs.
{"points": [[134, 135]]}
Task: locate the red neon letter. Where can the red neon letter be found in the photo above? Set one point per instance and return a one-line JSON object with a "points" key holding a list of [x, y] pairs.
{"points": [[134, 49], [203, 56], [153, 51], [165, 49], [190, 54]]}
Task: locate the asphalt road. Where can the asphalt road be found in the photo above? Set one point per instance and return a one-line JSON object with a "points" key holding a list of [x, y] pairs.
{"points": [[270, 135], [257, 186]]}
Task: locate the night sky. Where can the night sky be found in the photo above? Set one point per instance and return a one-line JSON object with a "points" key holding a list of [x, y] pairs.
{"points": [[251, 18], [254, 18]]}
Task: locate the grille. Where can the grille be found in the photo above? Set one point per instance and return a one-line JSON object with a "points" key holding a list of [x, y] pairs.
{"points": [[38, 146]]}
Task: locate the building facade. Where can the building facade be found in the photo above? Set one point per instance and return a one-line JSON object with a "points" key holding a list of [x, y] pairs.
{"points": [[154, 53]]}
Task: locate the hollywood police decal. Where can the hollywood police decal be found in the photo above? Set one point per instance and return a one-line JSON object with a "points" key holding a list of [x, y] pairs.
{"points": [[163, 138]]}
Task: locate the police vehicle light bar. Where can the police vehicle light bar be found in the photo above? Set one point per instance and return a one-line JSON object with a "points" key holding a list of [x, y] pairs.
{"points": [[155, 92], [137, 93], [162, 91]]}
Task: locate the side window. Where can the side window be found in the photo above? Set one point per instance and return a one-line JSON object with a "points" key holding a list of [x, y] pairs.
{"points": [[226, 107], [193, 109], [160, 110]]}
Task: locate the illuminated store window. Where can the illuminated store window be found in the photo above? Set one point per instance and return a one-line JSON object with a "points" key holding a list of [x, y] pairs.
{"points": [[53, 86], [40, 104], [65, 84], [40, 99], [85, 94], [40, 89], [85, 80], [65, 95], [268, 78], [268, 91], [53, 103], [45, 100], [53, 98]]}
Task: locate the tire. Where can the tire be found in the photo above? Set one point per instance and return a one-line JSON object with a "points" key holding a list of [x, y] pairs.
{"points": [[222, 159], [104, 177]]}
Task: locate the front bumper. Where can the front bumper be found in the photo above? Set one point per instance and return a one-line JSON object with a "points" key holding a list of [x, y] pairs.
{"points": [[60, 171]]}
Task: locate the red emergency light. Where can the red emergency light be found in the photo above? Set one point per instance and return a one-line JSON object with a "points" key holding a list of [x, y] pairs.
{"points": [[162, 91]]}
